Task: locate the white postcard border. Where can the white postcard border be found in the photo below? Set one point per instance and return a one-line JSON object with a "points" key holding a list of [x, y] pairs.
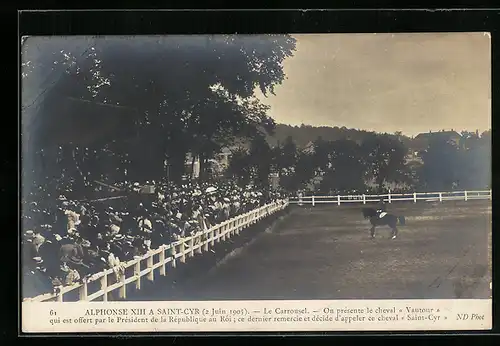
{"points": [[257, 316]]}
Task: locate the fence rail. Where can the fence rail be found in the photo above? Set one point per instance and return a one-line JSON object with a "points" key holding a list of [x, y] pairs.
{"points": [[100, 285], [394, 197]]}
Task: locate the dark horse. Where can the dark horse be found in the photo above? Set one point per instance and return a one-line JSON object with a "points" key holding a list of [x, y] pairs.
{"points": [[388, 219]]}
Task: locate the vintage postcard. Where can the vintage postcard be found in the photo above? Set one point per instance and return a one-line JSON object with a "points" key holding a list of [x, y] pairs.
{"points": [[301, 182]]}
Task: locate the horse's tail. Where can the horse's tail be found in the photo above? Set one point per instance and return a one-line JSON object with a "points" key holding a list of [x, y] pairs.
{"points": [[402, 220]]}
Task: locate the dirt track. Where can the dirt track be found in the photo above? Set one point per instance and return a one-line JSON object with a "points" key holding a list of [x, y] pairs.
{"points": [[325, 252]]}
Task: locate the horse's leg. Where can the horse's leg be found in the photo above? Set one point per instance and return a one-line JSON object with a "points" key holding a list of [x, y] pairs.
{"points": [[394, 232], [372, 232]]}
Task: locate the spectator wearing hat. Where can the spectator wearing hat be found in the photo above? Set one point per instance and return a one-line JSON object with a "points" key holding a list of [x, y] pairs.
{"points": [[76, 263], [115, 246], [137, 247], [159, 236], [185, 226], [113, 216], [70, 251], [173, 230], [36, 242], [69, 276], [47, 250], [28, 241], [91, 256]]}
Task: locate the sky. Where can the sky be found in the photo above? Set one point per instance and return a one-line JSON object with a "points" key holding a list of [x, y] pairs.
{"points": [[387, 82]]}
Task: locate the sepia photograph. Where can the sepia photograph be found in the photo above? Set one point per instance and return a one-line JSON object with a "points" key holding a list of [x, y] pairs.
{"points": [[277, 167]]}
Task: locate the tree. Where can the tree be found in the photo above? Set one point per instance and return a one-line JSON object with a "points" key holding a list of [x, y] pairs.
{"points": [[289, 156], [413, 176], [187, 94], [384, 159], [276, 159], [347, 169], [484, 154], [305, 134], [441, 165], [303, 173], [321, 154], [261, 160], [240, 166], [474, 160]]}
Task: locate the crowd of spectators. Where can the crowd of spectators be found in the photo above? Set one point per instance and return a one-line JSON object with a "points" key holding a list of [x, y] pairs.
{"points": [[65, 241]]}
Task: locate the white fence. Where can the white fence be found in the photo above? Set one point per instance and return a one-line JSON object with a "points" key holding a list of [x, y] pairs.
{"points": [[394, 197], [100, 285]]}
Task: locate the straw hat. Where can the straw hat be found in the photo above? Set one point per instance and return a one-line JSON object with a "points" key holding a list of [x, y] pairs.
{"points": [[38, 260], [118, 236]]}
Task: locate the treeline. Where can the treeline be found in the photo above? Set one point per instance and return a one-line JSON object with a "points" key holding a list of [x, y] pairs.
{"points": [[346, 165], [304, 134]]}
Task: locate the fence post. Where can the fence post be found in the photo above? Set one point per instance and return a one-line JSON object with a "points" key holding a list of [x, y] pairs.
{"points": [[191, 245], [151, 274], [465, 195], [137, 274], [104, 287], [162, 261], [224, 232], [440, 197], [207, 237], [182, 249], [364, 199], [389, 196], [338, 199], [238, 225], [174, 258], [199, 242], [82, 294], [313, 200], [212, 236], [122, 293], [414, 197]]}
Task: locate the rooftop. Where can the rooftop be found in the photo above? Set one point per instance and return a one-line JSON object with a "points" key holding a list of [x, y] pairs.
{"points": [[439, 133]]}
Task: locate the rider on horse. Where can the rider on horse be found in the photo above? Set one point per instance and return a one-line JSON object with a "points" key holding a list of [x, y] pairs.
{"points": [[381, 210]]}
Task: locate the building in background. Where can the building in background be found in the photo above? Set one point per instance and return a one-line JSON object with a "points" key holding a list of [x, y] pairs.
{"points": [[274, 180], [223, 158], [217, 165], [421, 141]]}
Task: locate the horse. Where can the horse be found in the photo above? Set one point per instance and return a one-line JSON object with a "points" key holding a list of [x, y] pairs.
{"points": [[383, 219]]}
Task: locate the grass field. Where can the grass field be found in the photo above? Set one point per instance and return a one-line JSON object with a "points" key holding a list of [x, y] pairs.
{"points": [[325, 252]]}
